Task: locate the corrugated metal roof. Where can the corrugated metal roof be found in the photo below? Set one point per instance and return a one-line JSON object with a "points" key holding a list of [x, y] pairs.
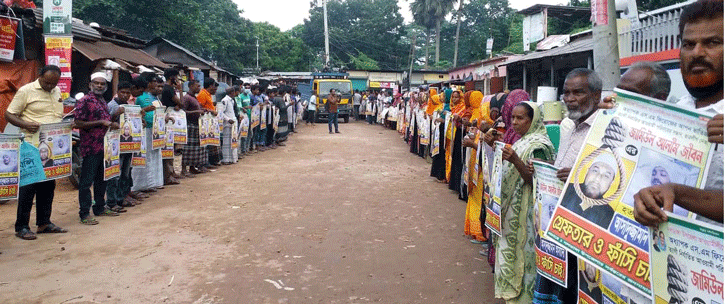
{"points": [[79, 29], [106, 50], [181, 48], [578, 46]]}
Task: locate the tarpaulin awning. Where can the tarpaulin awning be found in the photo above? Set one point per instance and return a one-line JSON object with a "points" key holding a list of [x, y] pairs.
{"points": [[107, 50]]}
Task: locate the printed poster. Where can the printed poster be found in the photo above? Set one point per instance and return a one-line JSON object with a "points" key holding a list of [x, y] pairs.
{"points": [[58, 52], [131, 127], [167, 152], [235, 136], [215, 134], [598, 287], [244, 127], [687, 261], [642, 142], [159, 128], [424, 129], [551, 259], [205, 132], [255, 116], [31, 169], [8, 38], [111, 163], [435, 147], [275, 119], [179, 127], [493, 208], [54, 146], [263, 118], [138, 159], [9, 166]]}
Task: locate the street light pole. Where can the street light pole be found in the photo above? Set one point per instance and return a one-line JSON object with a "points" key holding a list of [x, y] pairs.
{"points": [[257, 53], [327, 34]]}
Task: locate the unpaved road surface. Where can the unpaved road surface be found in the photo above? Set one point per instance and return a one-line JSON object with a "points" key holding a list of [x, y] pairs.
{"points": [[343, 218]]}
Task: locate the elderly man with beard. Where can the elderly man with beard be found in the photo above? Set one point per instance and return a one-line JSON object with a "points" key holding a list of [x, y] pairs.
{"points": [[701, 65], [93, 119]]}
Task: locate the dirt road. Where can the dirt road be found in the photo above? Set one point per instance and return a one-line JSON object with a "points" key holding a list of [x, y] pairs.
{"points": [[344, 218]]}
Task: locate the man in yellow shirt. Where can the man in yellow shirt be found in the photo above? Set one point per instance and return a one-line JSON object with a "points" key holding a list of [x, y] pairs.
{"points": [[35, 104]]}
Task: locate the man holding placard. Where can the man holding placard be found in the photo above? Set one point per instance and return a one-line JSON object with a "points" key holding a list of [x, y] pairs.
{"points": [[34, 104]]}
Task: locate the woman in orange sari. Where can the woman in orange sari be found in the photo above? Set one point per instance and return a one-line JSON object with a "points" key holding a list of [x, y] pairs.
{"points": [[457, 108], [472, 225], [457, 157]]}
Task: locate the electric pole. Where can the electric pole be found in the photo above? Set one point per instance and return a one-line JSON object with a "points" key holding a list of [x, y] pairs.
{"points": [[257, 53], [327, 34], [606, 46]]}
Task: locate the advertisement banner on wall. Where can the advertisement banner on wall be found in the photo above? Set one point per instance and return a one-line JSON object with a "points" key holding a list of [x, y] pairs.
{"points": [[8, 32], [57, 17], [58, 52]]}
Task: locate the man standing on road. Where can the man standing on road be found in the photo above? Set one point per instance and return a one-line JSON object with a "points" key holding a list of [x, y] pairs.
{"points": [[331, 105], [356, 100], [204, 98], [170, 98], [34, 104], [93, 120], [194, 156], [311, 108]]}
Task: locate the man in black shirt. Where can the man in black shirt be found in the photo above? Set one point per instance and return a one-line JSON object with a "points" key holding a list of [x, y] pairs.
{"points": [[170, 99]]}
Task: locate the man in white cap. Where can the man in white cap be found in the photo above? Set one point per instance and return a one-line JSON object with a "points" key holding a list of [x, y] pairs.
{"points": [[93, 119]]}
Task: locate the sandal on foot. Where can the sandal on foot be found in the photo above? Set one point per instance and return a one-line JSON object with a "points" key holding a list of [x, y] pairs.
{"points": [[89, 221], [26, 234], [51, 228], [108, 212], [118, 209]]}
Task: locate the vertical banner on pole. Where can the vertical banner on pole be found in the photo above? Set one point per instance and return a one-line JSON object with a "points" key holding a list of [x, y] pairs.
{"points": [[57, 17], [58, 52]]}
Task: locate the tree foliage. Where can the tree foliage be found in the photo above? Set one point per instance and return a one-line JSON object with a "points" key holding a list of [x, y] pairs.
{"points": [[280, 51], [213, 29], [371, 27]]}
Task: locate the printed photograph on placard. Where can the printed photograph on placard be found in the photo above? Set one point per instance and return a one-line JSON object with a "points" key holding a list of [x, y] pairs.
{"points": [[138, 159], [9, 166], [687, 261], [493, 208], [55, 137], [551, 259], [167, 152], [255, 116], [244, 127], [159, 128], [235, 136], [215, 134], [131, 126], [179, 127], [639, 143], [111, 151], [263, 117]]}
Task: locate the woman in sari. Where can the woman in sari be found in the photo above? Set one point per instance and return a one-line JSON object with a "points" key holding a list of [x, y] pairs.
{"points": [[512, 99], [457, 107], [515, 268], [423, 150], [437, 115], [472, 225], [460, 122]]}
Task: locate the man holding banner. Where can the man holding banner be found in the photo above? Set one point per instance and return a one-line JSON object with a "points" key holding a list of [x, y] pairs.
{"points": [[34, 104], [93, 119]]}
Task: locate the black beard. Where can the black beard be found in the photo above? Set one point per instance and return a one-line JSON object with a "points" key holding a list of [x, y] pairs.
{"points": [[705, 92]]}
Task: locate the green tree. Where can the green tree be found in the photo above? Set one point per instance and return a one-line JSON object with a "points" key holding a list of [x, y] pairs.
{"points": [[371, 27], [363, 62], [280, 51], [430, 13]]}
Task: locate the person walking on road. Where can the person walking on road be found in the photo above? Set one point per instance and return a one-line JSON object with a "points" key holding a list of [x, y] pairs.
{"points": [[331, 105]]}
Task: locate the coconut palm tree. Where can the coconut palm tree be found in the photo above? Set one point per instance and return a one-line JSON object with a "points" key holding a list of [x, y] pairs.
{"points": [[431, 13]]}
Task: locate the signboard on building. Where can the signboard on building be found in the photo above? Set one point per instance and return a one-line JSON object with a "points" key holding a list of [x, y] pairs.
{"points": [[534, 29], [57, 17], [8, 36]]}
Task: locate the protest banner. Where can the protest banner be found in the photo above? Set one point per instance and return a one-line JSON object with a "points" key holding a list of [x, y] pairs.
{"points": [[687, 261], [598, 287], [551, 259], [9, 166], [167, 152], [424, 125], [138, 159], [31, 168], [179, 126], [493, 208], [204, 130], [244, 127], [275, 119], [235, 136], [435, 147], [8, 37], [214, 127], [54, 145], [131, 126], [263, 117], [111, 163], [255, 116], [594, 217], [159, 128]]}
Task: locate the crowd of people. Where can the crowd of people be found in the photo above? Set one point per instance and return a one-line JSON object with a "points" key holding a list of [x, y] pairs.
{"points": [[38, 103], [465, 119]]}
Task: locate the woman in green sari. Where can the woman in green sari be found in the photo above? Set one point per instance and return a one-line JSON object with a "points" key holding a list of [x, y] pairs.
{"points": [[515, 267]]}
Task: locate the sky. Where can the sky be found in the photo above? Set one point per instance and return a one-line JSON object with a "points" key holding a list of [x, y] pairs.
{"points": [[285, 14]]}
